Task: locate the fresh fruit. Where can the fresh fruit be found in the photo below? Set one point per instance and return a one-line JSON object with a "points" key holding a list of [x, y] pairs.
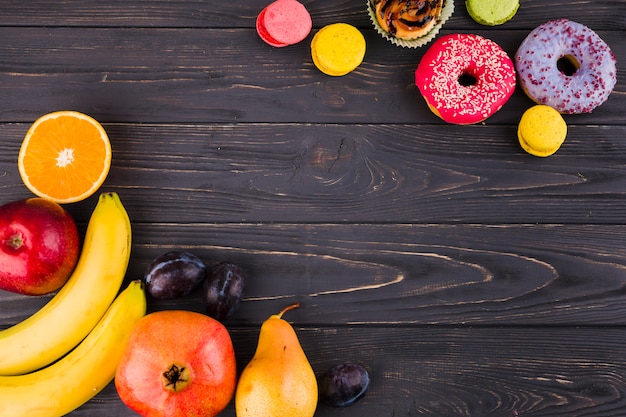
{"points": [[344, 384], [39, 246], [174, 274], [223, 289], [278, 381], [78, 306], [67, 384], [177, 363], [65, 156]]}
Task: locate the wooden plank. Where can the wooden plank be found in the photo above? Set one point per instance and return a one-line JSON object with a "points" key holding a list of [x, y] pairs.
{"points": [[229, 76], [470, 278], [351, 173], [464, 372], [393, 274], [215, 14]]}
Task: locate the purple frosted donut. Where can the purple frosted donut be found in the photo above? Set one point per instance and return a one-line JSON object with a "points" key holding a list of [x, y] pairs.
{"points": [[566, 65]]}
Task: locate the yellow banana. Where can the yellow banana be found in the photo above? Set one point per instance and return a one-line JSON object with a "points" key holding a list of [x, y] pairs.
{"points": [[76, 378], [74, 311]]}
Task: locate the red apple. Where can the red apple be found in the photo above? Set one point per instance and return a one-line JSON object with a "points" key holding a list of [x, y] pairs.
{"points": [[39, 246], [177, 363]]}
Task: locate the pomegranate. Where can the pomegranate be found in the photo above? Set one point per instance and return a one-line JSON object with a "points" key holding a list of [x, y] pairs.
{"points": [[39, 246]]}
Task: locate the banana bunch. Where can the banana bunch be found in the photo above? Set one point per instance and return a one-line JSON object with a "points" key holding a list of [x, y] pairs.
{"points": [[86, 324], [72, 381], [74, 311]]}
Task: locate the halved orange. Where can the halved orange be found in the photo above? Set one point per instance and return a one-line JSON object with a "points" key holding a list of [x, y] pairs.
{"points": [[65, 156]]}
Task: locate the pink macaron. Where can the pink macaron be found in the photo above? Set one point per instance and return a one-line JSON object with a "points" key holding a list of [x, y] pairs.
{"points": [[283, 23]]}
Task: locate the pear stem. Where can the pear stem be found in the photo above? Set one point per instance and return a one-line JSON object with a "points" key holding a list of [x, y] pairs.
{"points": [[289, 307]]}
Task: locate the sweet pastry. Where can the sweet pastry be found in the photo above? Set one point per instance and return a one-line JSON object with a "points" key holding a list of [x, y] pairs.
{"points": [[283, 23], [491, 12], [407, 19], [465, 78], [338, 49], [541, 130], [566, 65], [409, 23]]}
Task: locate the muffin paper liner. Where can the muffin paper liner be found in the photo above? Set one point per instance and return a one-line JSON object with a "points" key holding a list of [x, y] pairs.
{"points": [[446, 12]]}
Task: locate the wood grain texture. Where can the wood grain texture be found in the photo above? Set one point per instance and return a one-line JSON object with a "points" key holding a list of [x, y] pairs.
{"points": [[193, 75], [470, 278], [602, 14], [400, 274], [464, 372], [353, 173]]}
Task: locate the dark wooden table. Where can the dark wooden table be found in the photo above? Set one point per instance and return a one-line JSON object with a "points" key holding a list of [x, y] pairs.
{"points": [[470, 278]]}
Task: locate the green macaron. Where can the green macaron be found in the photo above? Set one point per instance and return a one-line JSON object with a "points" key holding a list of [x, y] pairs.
{"points": [[491, 12]]}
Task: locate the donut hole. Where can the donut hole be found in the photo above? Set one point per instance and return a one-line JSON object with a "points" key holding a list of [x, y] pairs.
{"points": [[568, 65], [467, 80]]}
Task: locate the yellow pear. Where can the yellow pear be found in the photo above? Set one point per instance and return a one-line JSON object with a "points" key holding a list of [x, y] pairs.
{"points": [[278, 381]]}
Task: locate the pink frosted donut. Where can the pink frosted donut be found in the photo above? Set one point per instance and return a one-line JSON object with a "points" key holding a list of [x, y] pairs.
{"points": [[566, 65], [465, 78]]}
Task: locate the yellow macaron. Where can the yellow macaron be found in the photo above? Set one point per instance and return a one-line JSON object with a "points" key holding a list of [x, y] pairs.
{"points": [[541, 130], [337, 49]]}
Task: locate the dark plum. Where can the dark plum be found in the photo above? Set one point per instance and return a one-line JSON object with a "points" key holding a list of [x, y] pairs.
{"points": [[344, 384], [174, 274], [223, 290]]}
